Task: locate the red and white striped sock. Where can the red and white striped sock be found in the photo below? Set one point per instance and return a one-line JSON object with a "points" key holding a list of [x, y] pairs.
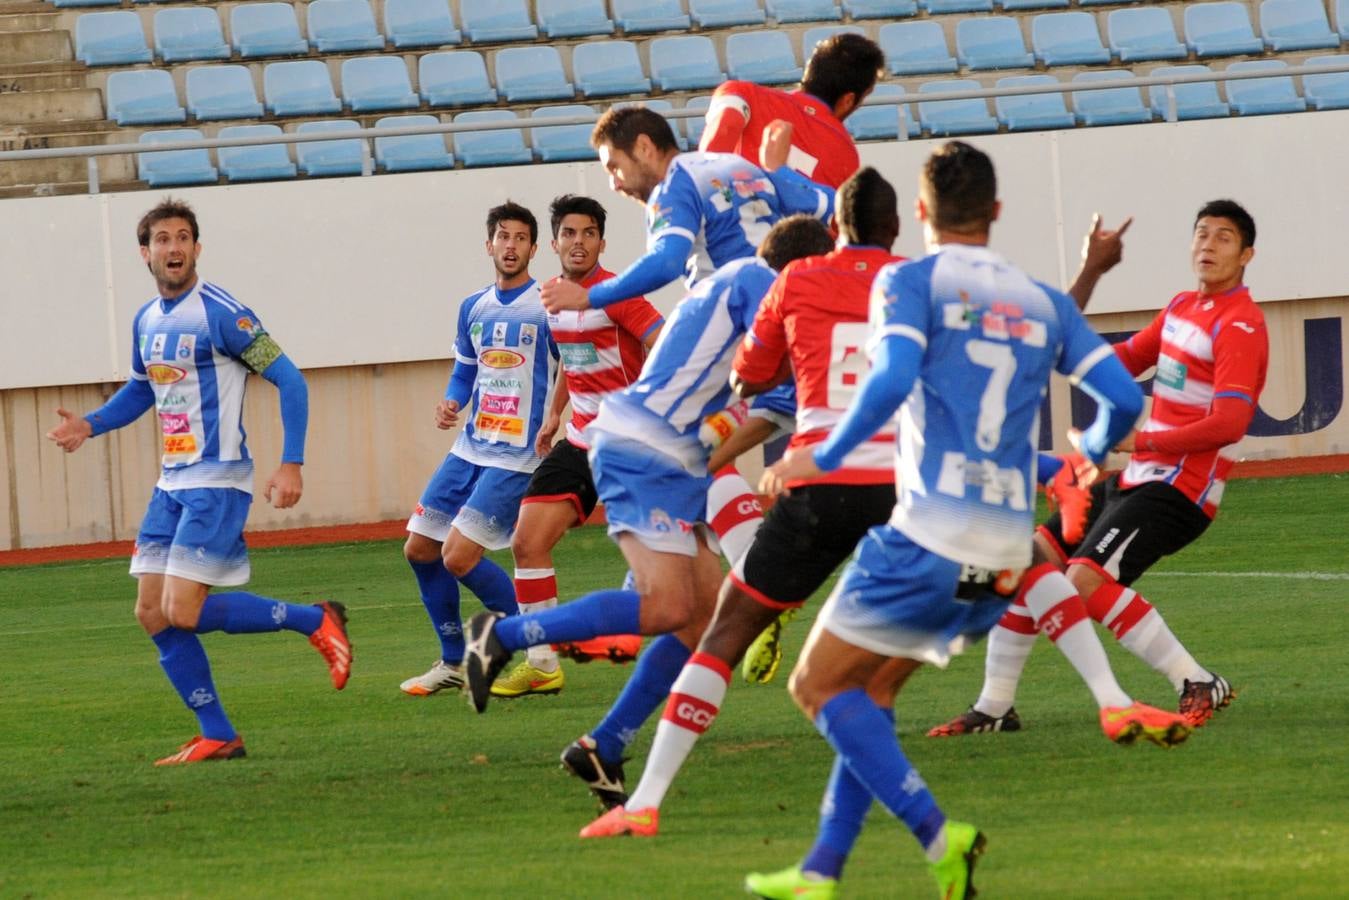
{"points": [[695, 700], [535, 591], [734, 513], [1060, 613], [1009, 646], [1138, 626]]}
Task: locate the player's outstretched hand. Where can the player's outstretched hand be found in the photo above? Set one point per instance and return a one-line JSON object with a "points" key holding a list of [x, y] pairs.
{"points": [[285, 486], [795, 465], [447, 414], [1102, 249], [776, 145], [543, 444], [72, 432], [561, 294]]}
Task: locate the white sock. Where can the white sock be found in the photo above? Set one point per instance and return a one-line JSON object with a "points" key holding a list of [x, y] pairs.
{"points": [[937, 849], [1060, 613], [734, 513], [695, 700], [536, 590], [1009, 646], [1141, 630]]}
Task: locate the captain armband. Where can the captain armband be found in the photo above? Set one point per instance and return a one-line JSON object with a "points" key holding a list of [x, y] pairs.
{"points": [[261, 353]]}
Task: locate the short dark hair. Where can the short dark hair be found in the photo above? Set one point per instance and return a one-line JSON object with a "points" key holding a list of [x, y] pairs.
{"points": [[1233, 211], [845, 63], [620, 127], [959, 187], [575, 204], [868, 209], [512, 212], [168, 208], [795, 237]]}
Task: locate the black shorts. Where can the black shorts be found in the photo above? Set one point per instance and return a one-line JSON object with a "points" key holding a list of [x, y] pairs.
{"points": [[805, 536], [564, 474], [1129, 529]]}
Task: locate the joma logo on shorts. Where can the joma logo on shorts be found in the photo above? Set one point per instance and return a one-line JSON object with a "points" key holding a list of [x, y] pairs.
{"points": [[1107, 540]]}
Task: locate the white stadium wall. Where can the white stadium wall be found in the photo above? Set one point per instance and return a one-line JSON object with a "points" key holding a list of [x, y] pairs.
{"points": [[359, 280]]}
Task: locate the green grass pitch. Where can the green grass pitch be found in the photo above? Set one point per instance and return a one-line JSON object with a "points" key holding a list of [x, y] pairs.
{"points": [[368, 793]]}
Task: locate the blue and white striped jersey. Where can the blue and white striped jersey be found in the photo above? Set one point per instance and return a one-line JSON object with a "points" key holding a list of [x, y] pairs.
{"points": [[508, 342], [968, 431], [687, 376], [192, 351]]}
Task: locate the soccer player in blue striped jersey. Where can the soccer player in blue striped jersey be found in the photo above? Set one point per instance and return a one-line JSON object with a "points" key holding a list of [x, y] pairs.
{"points": [[505, 366], [702, 209], [192, 349]]}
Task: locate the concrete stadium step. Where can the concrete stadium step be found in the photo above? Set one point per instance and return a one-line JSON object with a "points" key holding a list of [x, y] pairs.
{"points": [[28, 47], [49, 78], [59, 188], [79, 105], [41, 17]]}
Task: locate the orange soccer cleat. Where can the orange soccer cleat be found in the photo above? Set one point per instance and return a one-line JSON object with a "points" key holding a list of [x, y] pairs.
{"points": [[201, 749], [618, 821], [617, 648], [1070, 492], [330, 639], [1126, 724]]}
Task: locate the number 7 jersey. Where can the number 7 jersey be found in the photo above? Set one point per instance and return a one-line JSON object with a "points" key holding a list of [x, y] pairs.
{"points": [[968, 431]]}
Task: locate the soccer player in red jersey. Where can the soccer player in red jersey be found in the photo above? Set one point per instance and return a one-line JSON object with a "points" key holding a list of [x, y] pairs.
{"points": [[1211, 351], [839, 75], [602, 351]]}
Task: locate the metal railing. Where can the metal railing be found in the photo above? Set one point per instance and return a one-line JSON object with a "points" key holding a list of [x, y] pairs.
{"points": [[91, 153]]}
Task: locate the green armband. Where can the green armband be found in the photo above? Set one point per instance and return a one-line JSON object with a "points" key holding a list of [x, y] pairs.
{"points": [[261, 353]]}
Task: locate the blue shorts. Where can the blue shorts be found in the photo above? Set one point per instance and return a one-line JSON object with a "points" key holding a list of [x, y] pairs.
{"points": [[483, 502], [897, 599], [195, 533], [649, 494]]}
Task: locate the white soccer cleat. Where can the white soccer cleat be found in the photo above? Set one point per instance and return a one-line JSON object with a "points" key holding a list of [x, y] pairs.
{"points": [[441, 677]]}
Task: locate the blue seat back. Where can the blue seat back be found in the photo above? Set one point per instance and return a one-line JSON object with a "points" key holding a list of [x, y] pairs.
{"points": [[944, 117], [880, 9], [991, 42], [1220, 29], [563, 143], [532, 73], [336, 157], [302, 87], [222, 92], [573, 18], [607, 68], [143, 97], [488, 148], [111, 39], [343, 25], [420, 23], [1195, 100], [183, 33], [685, 63], [266, 29], [167, 168], [1116, 106], [377, 82], [254, 162], [881, 121], [1069, 38], [786, 11], [454, 78], [411, 152], [497, 20], [1145, 32], [695, 124], [1028, 111], [956, 6], [914, 48], [1296, 25], [764, 57], [636, 16], [723, 13], [1261, 96]]}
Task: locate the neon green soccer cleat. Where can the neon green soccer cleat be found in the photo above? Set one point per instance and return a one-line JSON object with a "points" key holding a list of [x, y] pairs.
{"points": [[955, 872], [525, 679], [791, 884], [765, 655]]}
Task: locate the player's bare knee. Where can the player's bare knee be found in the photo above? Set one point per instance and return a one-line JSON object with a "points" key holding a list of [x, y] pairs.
{"points": [[420, 549], [460, 559], [1085, 579], [182, 614], [530, 551], [804, 690]]}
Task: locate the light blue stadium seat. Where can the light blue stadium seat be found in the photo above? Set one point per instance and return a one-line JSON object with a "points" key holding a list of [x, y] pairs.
{"points": [[111, 39], [785, 11], [813, 36], [497, 20], [880, 9], [1067, 39], [420, 23], [1098, 2], [721, 13], [455, 78], [266, 29], [532, 73], [1263, 96], [639, 16], [411, 152], [1296, 25], [685, 63], [881, 122], [1342, 18], [937, 7], [1033, 4], [916, 48], [171, 168], [563, 143], [183, 33], [143, 97], [573, 18], [62, 4], [1143, 32], [1220, 29], [375, 83], [222, 92], [948, 117], [1031, 111], [1196, 100], [663, 107], [991, 42], [336, 25], [490, 148], [326, 158], [1328, 91], [300, 88], [695, 124], [764, 57], [1118, 106], [257, 162], [608, 68]]}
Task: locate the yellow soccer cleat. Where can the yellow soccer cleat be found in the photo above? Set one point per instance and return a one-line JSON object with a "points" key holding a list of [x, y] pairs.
{"points": [[765, 655], [525, 679]]}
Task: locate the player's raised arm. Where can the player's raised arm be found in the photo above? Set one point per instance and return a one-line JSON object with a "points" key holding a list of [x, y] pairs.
{"points": [[796, 192], [727, 116], [1102, 250], [1092, 365]]}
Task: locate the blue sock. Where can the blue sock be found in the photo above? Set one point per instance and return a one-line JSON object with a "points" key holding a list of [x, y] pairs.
{"points": [[184, 661], [842, 812], [646, 691], [595, 614], [865, 738], [493, 587], [239, 612], [440, 596]]}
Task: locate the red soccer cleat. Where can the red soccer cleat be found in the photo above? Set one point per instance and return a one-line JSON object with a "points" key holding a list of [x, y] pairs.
{"points": [[618, 821], [201, 749], [617, 648], [330, 639], [1070, 492], [1126, 724]]}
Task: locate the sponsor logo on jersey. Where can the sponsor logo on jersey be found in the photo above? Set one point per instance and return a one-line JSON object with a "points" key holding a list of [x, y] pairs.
{"points": [[528, 334], [175, 423], [1244, 327], [489, 426], [1171, 372], [247, 326], [187, 346], [495, 404], [660, 217], [157, 346], [160, 373], [499, 332], [175, 444], [579, 354], [501, 359], [174, 401]]}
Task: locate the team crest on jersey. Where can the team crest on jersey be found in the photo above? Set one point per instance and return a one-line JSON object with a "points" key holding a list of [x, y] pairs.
{"points": [[499, 333], [187, 346], [247, 326], [528, 334]]}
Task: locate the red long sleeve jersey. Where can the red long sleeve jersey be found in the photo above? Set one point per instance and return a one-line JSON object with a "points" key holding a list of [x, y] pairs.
{"points": [[822, 149], [816, 314], [1211, 354]]}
